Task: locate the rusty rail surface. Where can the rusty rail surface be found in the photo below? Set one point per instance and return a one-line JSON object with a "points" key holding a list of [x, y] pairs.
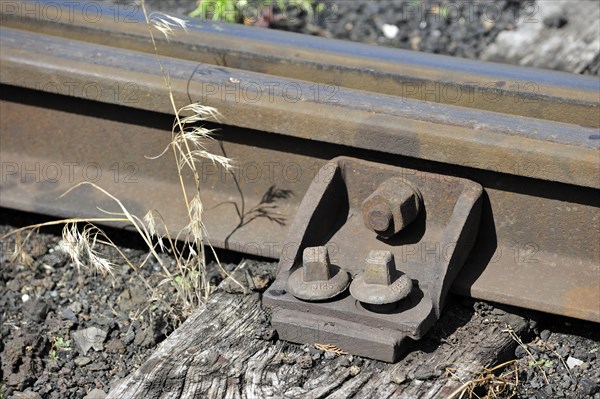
{"points": [[494, 87], [85, 101]]}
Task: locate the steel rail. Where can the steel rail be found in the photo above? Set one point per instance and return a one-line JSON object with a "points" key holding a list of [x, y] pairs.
{"points": [[494, 87], [541, 208], [561, 152]]}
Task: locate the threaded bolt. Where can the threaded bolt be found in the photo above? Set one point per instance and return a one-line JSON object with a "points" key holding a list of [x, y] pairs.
{"points": [[379, 268], [317, 279], [380, 283], [391, 207], [379, 218], [315, 264]]}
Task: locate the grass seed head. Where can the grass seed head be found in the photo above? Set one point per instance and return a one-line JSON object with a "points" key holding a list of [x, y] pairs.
{"points": [[81, 247], [19, 254], [165, 23]]}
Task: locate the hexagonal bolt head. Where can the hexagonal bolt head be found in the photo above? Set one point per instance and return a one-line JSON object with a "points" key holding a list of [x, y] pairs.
{"points": [[316, 265], [380, 267], [391, 207]]}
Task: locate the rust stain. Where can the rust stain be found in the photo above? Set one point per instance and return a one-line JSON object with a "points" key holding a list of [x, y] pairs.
{"points": [[583, 303]]}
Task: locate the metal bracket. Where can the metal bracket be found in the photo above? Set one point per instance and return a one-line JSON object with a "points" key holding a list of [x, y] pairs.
{"points": [[397, 237]]}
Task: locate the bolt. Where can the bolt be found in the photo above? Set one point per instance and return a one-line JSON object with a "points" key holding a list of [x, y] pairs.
{"points": [[380, 283], [317, 279], [316, 264], [391, 207], [380, 267], [379, 218]]}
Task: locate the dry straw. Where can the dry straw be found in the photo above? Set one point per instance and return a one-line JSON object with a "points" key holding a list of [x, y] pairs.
{"points": [[187, 247]]}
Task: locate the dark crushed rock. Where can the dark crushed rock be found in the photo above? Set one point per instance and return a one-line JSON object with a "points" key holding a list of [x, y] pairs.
{"points": [[22, 358], [35, 310], [564, 365], [344, 361], [265, 331], [249, 276], [560, 360], [556, 21], [462, 29], [72, 334], [304, 361]]}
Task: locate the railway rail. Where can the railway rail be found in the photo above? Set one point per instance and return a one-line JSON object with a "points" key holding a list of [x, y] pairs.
{"points": [[83, 99]]}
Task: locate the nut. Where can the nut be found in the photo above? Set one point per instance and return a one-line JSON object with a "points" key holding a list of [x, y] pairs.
{"points": [[394, 205], [380, 283], [317, 279]]}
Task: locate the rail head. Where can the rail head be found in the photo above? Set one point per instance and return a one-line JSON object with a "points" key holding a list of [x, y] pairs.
{"points": [[529, 92]]}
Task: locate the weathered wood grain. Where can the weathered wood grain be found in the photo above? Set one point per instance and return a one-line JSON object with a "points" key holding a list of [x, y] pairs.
{"points": [[215, 354]]}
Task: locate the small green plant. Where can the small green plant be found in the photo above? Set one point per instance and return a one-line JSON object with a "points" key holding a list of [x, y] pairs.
{"points": [[217, 10], [545, 363], [234, 10], [59, 344], [444, 12]]}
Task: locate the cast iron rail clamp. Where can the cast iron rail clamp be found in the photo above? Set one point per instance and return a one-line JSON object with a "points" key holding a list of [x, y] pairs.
{"points": [[402, 235]]}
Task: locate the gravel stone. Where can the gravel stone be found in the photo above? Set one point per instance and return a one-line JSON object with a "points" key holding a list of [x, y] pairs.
{"points": [[399, 378], [55, 259], [556, 21], [354, 370], [573, 362], [588, 387], [425, 373], [520, 352], [68, 314], [36, 310], [26, 395], [315, 352], [545, 334], [563, 351], [82, 361], [344, 362], [95, 394], [304, 361], [357, 361], [91, 337]]}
